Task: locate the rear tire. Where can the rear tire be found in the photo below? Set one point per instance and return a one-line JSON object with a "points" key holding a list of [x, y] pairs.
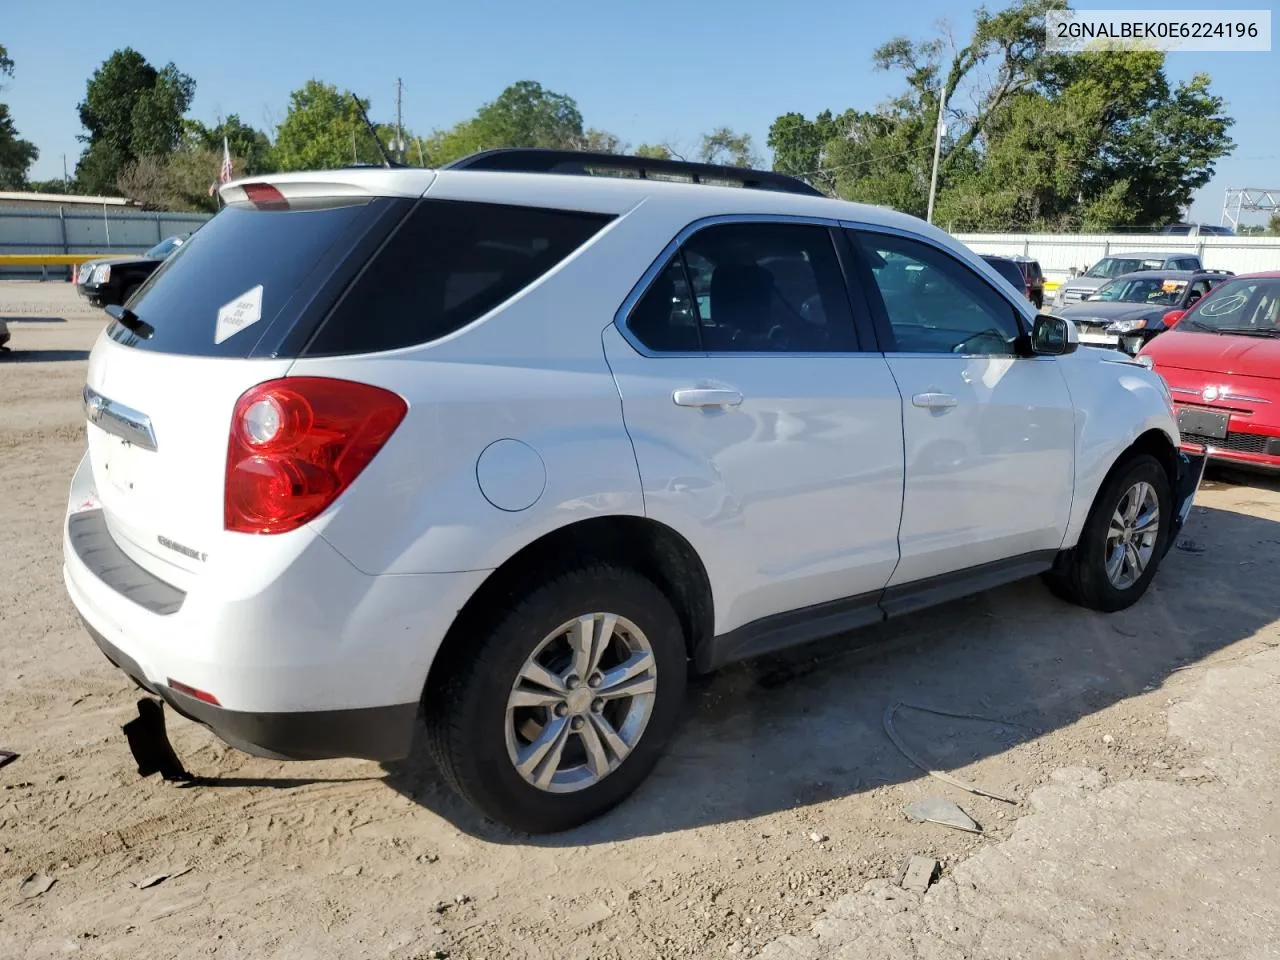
{"points": [[497, 703], [1123, 540]]}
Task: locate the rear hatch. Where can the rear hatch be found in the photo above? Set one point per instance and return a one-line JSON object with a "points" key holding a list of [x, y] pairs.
{"points": [[229, 309]]}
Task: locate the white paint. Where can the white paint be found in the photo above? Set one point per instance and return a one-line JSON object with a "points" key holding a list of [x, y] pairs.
{"points": [[511, 475], [791, 498]]}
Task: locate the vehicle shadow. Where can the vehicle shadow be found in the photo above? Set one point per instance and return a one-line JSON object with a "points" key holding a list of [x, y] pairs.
{"points": [[1228, 475], [807, 726], [43, 356]]}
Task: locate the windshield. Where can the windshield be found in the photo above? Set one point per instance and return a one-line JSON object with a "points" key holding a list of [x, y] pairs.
{"points": [[1109, 267], [1154, 290], [1239, 306], [165, 247]]}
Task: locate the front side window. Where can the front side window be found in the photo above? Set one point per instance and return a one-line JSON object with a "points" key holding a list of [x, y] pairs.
{"points": [[749, 288], [936, 304]]}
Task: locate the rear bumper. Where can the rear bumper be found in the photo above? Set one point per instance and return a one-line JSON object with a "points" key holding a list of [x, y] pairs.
{"points": [[1264, 462], [369, 733], [306, 656]]}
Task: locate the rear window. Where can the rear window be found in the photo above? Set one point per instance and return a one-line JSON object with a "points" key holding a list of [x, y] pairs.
{"points": [[1009, 270], [449, 263], [221, 290]]}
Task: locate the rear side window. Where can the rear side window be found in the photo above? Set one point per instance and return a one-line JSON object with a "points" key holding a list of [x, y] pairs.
{"points": [[448, 264], [219, 291], [1010, 271]]}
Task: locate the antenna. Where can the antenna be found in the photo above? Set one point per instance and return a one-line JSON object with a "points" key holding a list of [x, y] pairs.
{"points": [[373, 132]]}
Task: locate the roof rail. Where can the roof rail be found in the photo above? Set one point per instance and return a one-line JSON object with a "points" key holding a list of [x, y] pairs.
{"points": [[585, 163]]}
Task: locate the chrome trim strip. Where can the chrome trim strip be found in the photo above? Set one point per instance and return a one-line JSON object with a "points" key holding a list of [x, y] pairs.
{"points": [[1224, 395], [115, 418]]}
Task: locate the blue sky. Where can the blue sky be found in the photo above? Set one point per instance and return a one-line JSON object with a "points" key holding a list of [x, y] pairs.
{"points": [[661, 70]]}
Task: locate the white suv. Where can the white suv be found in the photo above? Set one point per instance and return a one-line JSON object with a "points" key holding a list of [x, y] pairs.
{"points": [[508, 451]]}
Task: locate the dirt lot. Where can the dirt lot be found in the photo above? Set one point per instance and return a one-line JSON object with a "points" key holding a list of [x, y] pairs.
{"points": [[782, 794]]}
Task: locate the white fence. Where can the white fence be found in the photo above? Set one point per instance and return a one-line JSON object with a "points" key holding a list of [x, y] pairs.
{"points": [[1059, 252]]}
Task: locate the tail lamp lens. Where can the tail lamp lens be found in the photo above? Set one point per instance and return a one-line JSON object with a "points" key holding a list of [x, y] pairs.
{"points": [[297, 443]]}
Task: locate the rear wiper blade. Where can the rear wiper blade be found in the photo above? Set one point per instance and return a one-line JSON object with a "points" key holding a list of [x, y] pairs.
{"points": [[130, 320]]}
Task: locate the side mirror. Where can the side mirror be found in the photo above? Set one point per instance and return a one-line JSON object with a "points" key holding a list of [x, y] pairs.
{"points": [[1053, 336], [1171, 318]]}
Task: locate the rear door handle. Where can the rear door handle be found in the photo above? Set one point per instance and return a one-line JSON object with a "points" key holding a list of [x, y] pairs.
{"points": [[934, 401], [706, 397]]}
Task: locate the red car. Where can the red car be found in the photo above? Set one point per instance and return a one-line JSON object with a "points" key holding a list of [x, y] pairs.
{"points": [[1222, 364]]}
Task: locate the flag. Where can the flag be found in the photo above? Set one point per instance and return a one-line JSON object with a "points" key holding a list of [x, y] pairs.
{"points": [[224, 175]]}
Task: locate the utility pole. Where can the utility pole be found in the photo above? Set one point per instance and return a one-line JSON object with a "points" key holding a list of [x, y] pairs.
{"points": [[398, 145], [66, 181], [399, 118], [937, 149]]}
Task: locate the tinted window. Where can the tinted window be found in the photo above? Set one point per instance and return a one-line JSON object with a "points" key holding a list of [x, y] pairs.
{"points": [[1009, 270], [224, 263], [448, 264], [769, 287], [664, 319], [936, 304], [1244, 306]]}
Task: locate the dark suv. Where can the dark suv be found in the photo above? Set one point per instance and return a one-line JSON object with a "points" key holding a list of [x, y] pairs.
{"points": [[1131, 309], [1023, 272]]}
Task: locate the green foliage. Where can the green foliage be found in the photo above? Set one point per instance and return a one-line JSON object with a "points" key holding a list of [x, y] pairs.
{"points": [[525, 114], [250, 149], [178, 182], [323, 129], [130, 110], [1033, 140], [16, 154], [723, 146], [654, 151], [1273, 225]]}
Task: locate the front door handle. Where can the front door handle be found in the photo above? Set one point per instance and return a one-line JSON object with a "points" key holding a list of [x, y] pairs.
{"points": [[706, 397], [934, 401]]}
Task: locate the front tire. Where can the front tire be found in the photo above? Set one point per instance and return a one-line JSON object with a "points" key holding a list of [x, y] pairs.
{"points": [[567, 702], [1123, 540]]}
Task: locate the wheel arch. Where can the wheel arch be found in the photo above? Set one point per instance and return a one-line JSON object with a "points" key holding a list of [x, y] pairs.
{"points": [[652, 548], [1154, 441]]}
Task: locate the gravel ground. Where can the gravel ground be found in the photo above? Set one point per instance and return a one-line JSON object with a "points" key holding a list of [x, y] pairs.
{"points": [[780, 800]]}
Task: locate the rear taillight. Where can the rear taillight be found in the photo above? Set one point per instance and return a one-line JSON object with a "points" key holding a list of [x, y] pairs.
{"points": [[296, 444]]}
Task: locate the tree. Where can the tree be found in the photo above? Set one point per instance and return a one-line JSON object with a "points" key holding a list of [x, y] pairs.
{"points": [[723, 146], [179, 182], [654, 151], [1273, 225], [525, 114], [250, 147], [130, 110], [16, 154], [323, 128], [1033, 140]]}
